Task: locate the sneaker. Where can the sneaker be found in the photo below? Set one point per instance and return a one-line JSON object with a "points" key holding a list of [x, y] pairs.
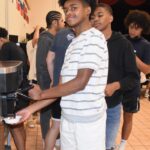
{"points": [[57, 147], [57, 144], [121, 147], [116, 147], [146, 94], [7, 147]]}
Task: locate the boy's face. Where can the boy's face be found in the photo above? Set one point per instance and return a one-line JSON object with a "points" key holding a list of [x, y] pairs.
{"points": [[61, 23], [75, 12], [1, 42], [134, 30], [101, 19]]}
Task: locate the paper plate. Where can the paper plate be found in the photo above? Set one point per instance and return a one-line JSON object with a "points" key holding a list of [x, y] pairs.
{"points": [[12, 120]]}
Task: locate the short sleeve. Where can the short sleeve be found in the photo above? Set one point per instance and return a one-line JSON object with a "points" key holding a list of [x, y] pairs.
{"points": [[146, 54], [94, 54], [53, 46]]}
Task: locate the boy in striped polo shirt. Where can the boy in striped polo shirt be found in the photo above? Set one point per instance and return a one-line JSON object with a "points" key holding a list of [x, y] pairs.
{"points": [[83, 80]]}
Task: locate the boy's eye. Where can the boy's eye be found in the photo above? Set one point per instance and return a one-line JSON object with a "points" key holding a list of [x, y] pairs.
{"points": [[92, 17], [70, 9], [100, 15], [65, 11], [73, 8]]}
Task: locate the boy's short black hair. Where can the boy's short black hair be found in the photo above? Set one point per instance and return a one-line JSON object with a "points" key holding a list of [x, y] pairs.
{"points": [[91, 3], [105, 6], [51, 16], [140, 19], [3, 33], [30, 36]]}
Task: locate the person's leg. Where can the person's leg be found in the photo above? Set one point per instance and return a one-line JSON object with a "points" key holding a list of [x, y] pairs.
{"points": [[146, 95], [52, 135], [91, 135], [126, 129], [18, 131], [67, 132], [19, 135], [45, 116], [53, 132], [57, 143], [147, 92], [112, 125], [7, 138], [127, 125], [130, 106]]}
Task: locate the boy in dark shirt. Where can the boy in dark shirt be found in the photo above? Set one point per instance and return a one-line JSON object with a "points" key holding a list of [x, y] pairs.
{"points": [[10, 51], [54, 23], [138, 23], [122, 72], [55, 61]]}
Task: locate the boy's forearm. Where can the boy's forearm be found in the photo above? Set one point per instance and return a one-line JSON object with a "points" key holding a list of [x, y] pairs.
{"points": [[50, 64], [61, 90], [142, 66], [39, 105], [70, 87]]}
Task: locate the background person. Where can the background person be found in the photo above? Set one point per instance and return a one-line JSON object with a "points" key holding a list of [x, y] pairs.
{"points": [[54, 23], [55, 61], [10, 51], [122, 70], [137, 23], [31, 49]]}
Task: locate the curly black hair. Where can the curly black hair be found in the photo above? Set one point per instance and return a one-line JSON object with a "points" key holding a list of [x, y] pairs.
{"points": [[3, 33], [91, 3], [139, 18]]}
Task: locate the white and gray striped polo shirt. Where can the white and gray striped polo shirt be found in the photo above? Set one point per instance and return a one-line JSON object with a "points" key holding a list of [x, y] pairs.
{"points": [[88, 50]]}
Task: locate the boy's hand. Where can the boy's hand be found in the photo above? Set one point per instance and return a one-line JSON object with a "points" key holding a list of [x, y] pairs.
{"points": [[111, 88], [25, 114], [35, 92]]}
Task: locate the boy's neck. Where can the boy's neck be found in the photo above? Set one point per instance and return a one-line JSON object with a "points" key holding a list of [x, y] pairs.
{"points": [[82, 27], [107, 33], [135, 37], [52, 31]]}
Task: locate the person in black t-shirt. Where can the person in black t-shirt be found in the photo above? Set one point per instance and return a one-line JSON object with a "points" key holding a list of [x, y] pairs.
{"points": [[10, 51]]}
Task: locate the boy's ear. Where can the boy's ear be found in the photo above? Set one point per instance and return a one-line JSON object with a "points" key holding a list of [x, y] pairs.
{"points": [[1, 39], [54, 22], [88, 10], [111, 19]]}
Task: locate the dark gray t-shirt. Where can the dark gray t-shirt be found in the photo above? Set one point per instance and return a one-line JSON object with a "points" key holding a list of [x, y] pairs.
{"points": [[44, 45], [59, 47]]}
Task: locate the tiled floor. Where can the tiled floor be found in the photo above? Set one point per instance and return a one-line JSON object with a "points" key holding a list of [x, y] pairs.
{"points": [[140, 136], [139, 139]]}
